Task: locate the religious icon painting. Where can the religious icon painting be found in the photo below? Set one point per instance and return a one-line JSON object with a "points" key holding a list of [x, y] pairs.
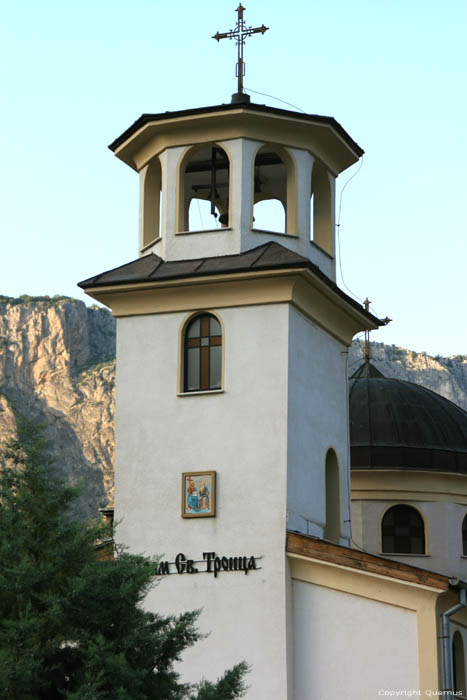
{"points": [[198, 494]]}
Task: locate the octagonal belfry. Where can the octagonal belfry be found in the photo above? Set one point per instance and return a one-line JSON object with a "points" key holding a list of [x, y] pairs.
{"points": [[224, 163]]}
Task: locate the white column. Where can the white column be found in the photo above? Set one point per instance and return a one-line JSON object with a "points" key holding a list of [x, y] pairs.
{"points": [[142, 178], [304, 162], [241, 183], [170, 160]]}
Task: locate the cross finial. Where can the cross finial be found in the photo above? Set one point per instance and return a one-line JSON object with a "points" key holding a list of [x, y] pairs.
{"points": [[240, 33]]}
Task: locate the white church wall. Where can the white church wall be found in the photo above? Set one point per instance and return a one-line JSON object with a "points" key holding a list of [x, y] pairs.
{"points": [[351, 647], [443, 533], [317, 369], [240, 433]]}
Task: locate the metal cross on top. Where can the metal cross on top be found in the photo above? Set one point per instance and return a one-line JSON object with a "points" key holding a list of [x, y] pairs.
{"points": [[240, 33]]}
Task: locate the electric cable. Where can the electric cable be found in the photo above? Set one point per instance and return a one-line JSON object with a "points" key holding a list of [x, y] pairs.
{"points": [[338, 225], [265, 94], [289, 104], [199, 213]]}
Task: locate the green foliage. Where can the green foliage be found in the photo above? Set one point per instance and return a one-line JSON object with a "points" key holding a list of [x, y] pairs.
{"points": [[97, 367], [72, 624]]}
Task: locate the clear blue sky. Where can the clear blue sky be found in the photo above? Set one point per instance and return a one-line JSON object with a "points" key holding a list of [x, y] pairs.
{"points": [[74, 75]]}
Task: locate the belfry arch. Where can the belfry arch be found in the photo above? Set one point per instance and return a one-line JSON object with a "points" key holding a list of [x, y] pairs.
{"points": [[274, 180], [204, 175], [321, 208], [150, 202]]}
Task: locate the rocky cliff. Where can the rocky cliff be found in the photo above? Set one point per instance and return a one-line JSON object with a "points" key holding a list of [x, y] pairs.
{"points": [[445, 375], [57, 364]]}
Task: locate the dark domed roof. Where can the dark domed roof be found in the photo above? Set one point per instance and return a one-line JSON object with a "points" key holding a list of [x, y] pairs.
{"points": [[396, 424]]}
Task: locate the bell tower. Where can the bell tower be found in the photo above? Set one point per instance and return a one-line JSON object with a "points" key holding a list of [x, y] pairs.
{"points": [[231, 159], [231, 400]]}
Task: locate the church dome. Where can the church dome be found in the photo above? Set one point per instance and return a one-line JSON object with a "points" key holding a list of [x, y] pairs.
{"points": [[396, 424]]}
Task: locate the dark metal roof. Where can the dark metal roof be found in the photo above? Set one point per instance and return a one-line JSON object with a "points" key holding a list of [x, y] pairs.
{"points": [[396, 424], [316, 118], [269, 256]]}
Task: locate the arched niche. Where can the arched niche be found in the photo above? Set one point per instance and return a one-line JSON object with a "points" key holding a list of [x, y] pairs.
{"points": [[274, 183], [321, 208], [332, 528], [151, 183], [204, 174], [458, 664]]}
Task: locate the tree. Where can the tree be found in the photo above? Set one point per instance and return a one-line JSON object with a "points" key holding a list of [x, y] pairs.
{"points": [[72, 624]]}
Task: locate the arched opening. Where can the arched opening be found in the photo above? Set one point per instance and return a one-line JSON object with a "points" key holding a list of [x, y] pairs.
{"points": [[464, 536], [202, 354], [204, 179], [321, 208], [458, 663], [269, 215], [200, 217], [151, 183], [274, 191], [333, 519], [402, 531]]}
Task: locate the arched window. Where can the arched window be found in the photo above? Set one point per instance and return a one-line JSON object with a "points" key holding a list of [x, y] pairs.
{"points": [[458, 663], [333, 519], [202, 354], [464, 536], [204, 179], [403, 531]]}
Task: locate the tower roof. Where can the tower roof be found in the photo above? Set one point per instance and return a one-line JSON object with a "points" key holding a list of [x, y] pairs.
{"points": [[270, 256], [151, 133], [396, 424]]}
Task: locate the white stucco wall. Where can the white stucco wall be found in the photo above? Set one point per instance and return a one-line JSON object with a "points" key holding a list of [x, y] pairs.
{"points": [[317, 421], [241, 434], [350, 647], [443, 532]]}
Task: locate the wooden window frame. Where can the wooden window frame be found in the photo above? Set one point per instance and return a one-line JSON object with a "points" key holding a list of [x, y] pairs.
{"points": [[205, 354]]}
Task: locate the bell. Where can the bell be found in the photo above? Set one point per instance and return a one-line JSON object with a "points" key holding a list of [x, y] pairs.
{"points": [[224, 218]]}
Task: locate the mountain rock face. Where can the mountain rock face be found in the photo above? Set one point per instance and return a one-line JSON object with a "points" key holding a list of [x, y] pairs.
{"points": [[57, 364], [444, 375]]}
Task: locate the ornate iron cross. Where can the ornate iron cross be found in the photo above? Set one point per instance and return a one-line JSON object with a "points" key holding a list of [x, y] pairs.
{"points": [[240, 33]]}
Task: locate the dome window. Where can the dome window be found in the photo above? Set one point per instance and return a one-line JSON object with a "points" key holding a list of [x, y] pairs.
{"points": [[403, 531]]}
